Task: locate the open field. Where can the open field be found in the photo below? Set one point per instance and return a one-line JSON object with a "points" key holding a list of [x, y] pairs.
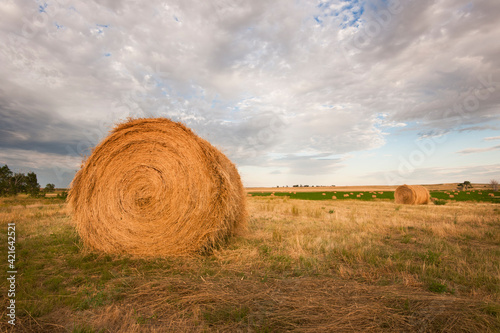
{"points": [[439, 197], [303, 265], [363, 188]]}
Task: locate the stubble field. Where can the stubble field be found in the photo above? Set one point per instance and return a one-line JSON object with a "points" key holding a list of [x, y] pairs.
{"points": [[303, 265]]}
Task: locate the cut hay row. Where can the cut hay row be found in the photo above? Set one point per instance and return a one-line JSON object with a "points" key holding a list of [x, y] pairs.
{"points": [[154, 188], [411, 195]]}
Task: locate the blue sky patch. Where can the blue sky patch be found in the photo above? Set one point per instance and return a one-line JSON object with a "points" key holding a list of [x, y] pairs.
{"points": [[41, 8], [351, 12]]}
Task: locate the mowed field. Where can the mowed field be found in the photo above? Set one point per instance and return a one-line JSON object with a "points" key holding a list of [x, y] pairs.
{"points": [[344, 265], [362, 188], [438, 197]]}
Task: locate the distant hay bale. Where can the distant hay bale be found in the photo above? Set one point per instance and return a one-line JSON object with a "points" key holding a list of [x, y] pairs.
{"points": [[411, 195], [346, 195], [374, 196], [154, 188], [452, 196], [323, 193], [334, 197]]}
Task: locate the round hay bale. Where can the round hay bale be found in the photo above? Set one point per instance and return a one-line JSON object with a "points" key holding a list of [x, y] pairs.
{"points": [[374, 196], [154, 188], [334, 197], [411, 195]]}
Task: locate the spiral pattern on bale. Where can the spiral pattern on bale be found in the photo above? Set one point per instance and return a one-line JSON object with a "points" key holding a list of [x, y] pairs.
{"points": [[154, 188], [411, 195]]}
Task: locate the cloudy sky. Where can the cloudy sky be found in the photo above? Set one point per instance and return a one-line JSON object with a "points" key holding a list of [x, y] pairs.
{"points": [[294, 92]]}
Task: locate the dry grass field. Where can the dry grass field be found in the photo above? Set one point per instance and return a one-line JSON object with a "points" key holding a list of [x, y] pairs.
{"points": [[305, 266]]}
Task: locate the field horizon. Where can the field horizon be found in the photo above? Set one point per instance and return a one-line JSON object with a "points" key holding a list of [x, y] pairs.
{"points": [[364, 188]]}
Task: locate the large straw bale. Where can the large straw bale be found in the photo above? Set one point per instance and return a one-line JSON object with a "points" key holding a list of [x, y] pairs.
{"points": [[154, 188], [411, 195]]}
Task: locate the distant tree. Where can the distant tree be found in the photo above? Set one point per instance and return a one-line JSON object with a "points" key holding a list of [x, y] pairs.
{"points": [[32, 186], [49, 188], [465, 185], [18, 183], [494, 185], [5, 180]]}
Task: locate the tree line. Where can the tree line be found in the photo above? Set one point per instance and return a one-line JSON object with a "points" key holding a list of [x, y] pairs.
{"points": [[13, 183]]}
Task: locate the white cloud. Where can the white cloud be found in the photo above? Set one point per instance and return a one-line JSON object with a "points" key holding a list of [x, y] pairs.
{"points": [[436, 175], [256, 78], [477, 150]]}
